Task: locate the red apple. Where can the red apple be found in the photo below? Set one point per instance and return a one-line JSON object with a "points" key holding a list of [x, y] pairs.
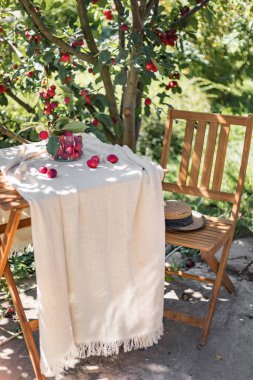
{"points": [[52, 173], [84, 92], [78, 147], [148, 101], [65, 156], [65, 57], [149, 66], [43, 169], [68, 133], [112, 158], [54, 105], [78, 139], [95, 158], [3, 88], [43, 135], [108, 14], [69, 150], [75, 156], [92, 163], [124, 27], [95, 122]]}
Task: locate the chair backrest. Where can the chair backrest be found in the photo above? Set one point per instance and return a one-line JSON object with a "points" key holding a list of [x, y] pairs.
{"points": [[204, 152]]}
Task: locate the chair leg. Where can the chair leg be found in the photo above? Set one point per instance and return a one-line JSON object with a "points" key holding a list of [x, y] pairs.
{"points": [[5, 246], [27, 332], [9, 234], [215, 292], [214, 265]]}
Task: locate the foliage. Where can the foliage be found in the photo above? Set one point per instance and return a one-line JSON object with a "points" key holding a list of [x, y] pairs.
{"points": [[93, 61], [22, 267]]}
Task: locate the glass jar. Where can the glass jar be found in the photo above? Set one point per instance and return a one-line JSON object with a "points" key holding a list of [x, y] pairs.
{"points": [[67, 147]]}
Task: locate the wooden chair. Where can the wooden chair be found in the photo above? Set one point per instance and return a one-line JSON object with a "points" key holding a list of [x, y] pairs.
{"points": [[200, 174]]}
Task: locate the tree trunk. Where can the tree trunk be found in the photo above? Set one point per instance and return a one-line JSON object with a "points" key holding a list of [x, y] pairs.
{"points": [[129, 135]]}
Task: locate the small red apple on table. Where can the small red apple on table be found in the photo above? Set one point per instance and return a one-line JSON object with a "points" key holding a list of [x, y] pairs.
{"points": [[43, 169], [91, 163], [52, 173], [112, 158]]}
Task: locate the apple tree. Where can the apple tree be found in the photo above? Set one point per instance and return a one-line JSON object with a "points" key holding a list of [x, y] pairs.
{"points": [[93, 60]]}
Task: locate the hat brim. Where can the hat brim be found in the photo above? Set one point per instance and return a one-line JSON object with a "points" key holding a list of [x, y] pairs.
{"points": [[198, 221]]}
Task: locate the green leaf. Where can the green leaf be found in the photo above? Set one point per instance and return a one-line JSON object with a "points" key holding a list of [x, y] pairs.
{"points": [[120, 78], [100, 135], [62, 73], [57, 4], [97, 67], [3, 100], [123, 54], [61, 122], [75, 127], [105, 119], [118, 127], [66, 89], [49, 56], [147, 110], [105, 56], [168, 278], [53, 145], [136, 38]]}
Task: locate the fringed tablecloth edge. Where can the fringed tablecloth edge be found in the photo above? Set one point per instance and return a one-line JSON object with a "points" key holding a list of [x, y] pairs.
{"points": [[82, 351]]}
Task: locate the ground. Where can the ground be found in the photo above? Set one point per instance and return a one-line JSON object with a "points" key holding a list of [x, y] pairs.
{"points": [[177, 356]]}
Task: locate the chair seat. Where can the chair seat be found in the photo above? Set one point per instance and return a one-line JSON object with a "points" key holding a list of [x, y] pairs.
{"points": [[209, 238]]}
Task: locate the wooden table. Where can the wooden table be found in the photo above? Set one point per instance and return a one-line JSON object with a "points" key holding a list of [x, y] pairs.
{"points": [[11, 201]]}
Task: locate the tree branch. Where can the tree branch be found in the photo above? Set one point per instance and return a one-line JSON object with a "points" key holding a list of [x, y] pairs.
{"points": [[13, 47], [139, 106], [29, 9], [86, 27], [151, 4], [143, 9], [6, 132], [120, 9], [184, 18], [137, 22], [110, 92], [20, 102], [109, 134]]}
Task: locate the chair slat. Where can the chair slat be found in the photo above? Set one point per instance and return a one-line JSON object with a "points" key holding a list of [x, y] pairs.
{"points": [[167, 140], [220, 157], [197, 153], [186, 152], [209, 154], [243, 168], [199, 192], [210, 117]]}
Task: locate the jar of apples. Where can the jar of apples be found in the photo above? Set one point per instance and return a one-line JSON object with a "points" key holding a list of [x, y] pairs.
{"points": [[66, 147]]}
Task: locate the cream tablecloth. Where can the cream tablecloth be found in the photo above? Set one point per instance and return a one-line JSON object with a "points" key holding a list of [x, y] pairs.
{"points": [[98, 236]]}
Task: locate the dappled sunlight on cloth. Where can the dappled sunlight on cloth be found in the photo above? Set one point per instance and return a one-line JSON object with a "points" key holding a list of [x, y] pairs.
{"points": [[99, 249]]}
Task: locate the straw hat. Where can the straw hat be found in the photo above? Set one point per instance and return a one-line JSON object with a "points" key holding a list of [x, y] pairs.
{"points": [[179, 216]]}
